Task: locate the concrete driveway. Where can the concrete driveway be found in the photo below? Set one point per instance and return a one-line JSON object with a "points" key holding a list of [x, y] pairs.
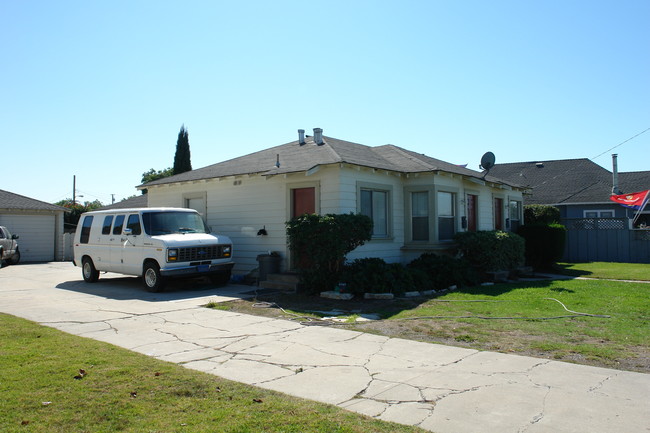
{"points": [[439, 388]]}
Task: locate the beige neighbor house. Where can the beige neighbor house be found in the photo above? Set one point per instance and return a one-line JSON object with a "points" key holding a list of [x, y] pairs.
{"points": [[417, 203], [38, 224]]}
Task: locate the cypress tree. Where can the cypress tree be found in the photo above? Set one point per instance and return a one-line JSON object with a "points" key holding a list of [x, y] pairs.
{"points": [[182, 157]]}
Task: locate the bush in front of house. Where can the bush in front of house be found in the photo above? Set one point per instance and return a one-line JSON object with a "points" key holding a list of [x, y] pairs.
{"points": [[368, 275], [489, 251], [443, 271], [319, 244], [541, 214], [544, 244]]}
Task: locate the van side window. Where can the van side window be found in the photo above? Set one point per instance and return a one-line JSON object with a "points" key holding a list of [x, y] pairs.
{"points": [[134, 224], [106, 228], [85, 229], [117, 227]]}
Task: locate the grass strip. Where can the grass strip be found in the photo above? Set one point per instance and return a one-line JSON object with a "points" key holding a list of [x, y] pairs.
{"points": [[51, 381]]}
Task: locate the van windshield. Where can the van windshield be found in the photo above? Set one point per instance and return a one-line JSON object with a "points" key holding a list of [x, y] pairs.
{"points": [[165, 223]]}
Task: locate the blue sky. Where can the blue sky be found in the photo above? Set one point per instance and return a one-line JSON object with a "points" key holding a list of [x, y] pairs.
{"points": [[100, 89]]}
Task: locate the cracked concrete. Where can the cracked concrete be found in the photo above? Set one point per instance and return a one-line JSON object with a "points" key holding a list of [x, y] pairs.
{"points": [[439, 388]]}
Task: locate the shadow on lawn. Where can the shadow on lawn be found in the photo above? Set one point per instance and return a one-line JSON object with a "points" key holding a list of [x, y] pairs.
{"points": [[313, 304]]}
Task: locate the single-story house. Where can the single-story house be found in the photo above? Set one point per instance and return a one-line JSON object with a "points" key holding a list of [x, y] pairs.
{"points": [[598, 228], [38, 224], [417, 203]]}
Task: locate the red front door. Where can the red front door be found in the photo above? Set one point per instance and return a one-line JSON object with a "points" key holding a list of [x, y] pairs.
{"points": [[498, 214], [303, 200], [472, 212]]}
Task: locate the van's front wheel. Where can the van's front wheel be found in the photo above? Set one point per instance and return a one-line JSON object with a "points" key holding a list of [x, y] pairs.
{"points": [[152, 278], [90, 274]]}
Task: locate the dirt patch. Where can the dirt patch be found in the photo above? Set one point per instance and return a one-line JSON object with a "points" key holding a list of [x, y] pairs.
{"points": [[310, 310]]}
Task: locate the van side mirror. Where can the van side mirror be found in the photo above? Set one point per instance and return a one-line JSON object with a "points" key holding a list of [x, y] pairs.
{"points": [[127, 232], [14, 237]]}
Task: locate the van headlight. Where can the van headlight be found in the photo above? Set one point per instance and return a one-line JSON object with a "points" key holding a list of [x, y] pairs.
{"points": [[172, 254], [225, 251]]}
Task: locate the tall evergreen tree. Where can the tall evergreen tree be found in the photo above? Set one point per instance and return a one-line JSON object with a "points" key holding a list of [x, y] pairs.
{"points": [[182, 157]]}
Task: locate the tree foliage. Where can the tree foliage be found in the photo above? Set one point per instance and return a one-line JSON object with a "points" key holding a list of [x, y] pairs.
{"points": [[75, 209], [152, 174], [182, 161]]}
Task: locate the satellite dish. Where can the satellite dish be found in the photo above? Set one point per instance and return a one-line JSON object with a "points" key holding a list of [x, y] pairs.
{"points": [[487, 161]]}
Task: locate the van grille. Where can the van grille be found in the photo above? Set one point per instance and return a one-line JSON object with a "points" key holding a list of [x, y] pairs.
{"points": [[203, 252]]}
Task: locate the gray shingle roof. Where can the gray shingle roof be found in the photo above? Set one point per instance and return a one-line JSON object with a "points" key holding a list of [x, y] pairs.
{"points": [[133, 202], [568, 181], [9, 200], [294, 157]]}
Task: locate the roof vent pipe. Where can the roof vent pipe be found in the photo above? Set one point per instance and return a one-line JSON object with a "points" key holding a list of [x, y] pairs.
{"points": [[615, 189], [318, 136], [301, 136]]}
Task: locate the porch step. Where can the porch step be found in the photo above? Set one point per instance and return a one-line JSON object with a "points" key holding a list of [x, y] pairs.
{"points": [[287, 282]]}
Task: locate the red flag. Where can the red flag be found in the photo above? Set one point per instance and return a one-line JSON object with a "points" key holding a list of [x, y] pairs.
{"points": [[635, 200]]}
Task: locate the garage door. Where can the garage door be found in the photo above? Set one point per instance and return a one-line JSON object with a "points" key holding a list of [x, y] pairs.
{"points": [[37, 241]]}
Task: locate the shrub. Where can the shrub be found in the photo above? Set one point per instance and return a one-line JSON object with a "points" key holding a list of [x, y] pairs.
{"points": [[442, 271], [541, 214], [374, 275], [544, 244], [491, 250], [319, 244]]}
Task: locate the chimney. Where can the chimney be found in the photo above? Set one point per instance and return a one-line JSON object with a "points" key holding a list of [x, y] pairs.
{"points": [[615, 189], [318, 136], [301, 136]]}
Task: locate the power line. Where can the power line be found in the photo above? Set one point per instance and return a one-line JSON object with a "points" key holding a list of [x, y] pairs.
{"points": [[620, 144]]}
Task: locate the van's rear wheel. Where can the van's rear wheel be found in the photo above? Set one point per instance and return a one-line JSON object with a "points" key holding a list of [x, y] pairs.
{"points": [[152, 278], [88, 270]]}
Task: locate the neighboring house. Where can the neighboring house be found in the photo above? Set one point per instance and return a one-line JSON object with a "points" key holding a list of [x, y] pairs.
{"points": [[132, 202], [38, 224], [599, 229], [417, 203]]}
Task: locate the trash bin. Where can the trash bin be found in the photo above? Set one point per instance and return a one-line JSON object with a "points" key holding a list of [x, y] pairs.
{"points": [[268, 264]]}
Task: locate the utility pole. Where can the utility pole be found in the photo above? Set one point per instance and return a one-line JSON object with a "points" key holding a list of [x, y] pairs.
{"points": [[74, 189], [112, 198]]}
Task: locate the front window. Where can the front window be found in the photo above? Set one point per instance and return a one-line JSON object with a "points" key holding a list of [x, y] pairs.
{"points": [[599, 214], [420, 216], [446, 216], [165, 223], [374, 203], [515, 215]]}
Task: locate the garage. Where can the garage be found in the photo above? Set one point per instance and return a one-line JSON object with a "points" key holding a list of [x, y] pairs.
{"points": [[38, 224]]}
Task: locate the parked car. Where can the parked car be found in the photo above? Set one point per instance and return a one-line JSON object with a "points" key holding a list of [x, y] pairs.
{"points": [[154, 243], [9, 252]]}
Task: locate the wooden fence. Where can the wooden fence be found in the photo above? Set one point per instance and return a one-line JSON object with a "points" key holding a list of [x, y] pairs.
{"points": [[605, 240]]}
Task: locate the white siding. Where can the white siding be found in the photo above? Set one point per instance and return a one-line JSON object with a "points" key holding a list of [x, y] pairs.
{"points": [[37, 240], [387, 249]]}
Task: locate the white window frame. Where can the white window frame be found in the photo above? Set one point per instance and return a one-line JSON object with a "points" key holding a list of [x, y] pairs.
{"points": [[384, 188], [599, 213]]}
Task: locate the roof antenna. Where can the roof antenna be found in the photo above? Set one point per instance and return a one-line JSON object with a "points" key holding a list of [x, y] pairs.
{"points": [[487, 162]]}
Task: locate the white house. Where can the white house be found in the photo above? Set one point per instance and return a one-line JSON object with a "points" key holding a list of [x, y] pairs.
{"points": [[38, 224], [417, 203]]}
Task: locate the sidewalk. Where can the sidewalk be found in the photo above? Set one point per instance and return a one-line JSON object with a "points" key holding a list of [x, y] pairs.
{"points": [[439, 388]]}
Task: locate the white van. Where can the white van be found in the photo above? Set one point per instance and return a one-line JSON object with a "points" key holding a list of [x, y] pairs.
{"points": [[154, 243]]}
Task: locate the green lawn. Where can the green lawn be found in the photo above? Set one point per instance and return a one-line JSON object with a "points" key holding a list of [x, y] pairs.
{"points": [[529, 317], [122, 391], [517, 317], [608, 270]]}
